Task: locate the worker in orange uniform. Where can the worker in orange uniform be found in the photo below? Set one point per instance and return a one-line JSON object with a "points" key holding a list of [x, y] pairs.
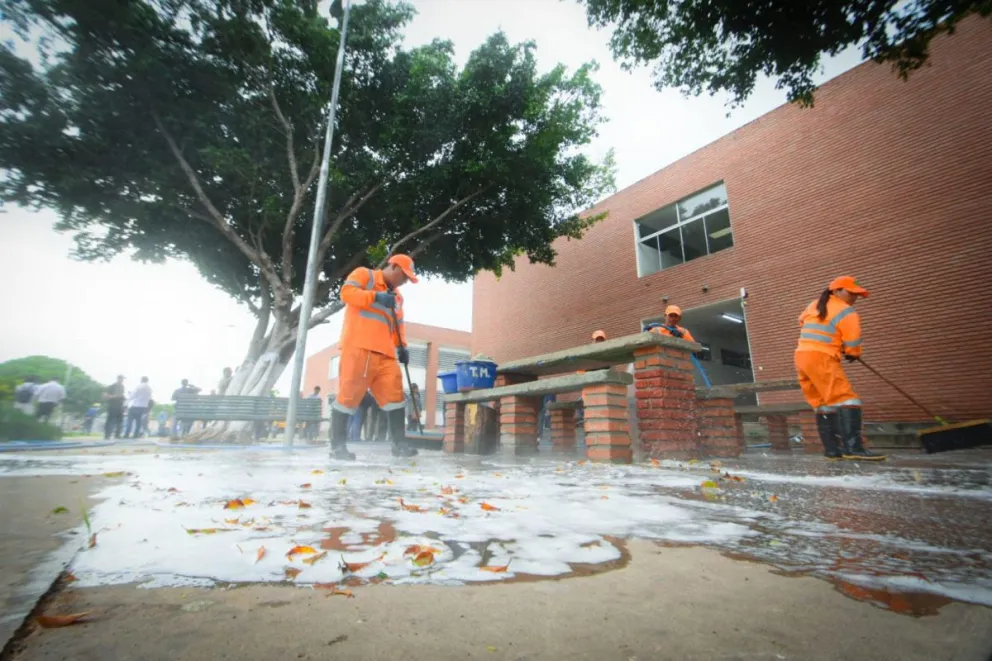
{"points": [[598, 336], [831, 330], [673, 315], [373, 346]]}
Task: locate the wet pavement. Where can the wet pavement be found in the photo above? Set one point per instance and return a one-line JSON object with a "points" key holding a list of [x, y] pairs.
{"points": [[908, 535]]}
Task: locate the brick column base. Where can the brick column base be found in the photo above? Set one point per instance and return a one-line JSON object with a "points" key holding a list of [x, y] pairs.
{"points": [[518, 423], [778, 432], [666, 402], [605, 422], [811, 437], [562, 430], [717, 428], [454, 427]]}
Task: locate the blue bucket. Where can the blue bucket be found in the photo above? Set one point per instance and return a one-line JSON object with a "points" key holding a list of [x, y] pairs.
{"points": [[475, 374], [449, 382]]}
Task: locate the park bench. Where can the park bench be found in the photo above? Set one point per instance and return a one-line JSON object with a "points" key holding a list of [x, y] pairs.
{"points": [[775, 416], [237, 408]]}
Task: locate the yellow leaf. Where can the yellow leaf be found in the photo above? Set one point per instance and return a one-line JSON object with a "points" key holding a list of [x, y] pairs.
{"points": [[232, 522], [300, 550], [709, 484], [488, 507], [235, 504], [305, 506], [423, 559], [115, 474], [316, 471], [205, 531], [260, 554], [314, 559], [773, 498], [343, 480], [247, 501], [292, 572]]}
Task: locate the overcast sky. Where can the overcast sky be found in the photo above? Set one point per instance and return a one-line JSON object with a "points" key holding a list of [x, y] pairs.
{"points": [[163, 321]]}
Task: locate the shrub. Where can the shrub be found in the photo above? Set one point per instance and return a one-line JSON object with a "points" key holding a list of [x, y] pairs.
{"points": [[16, 426]]}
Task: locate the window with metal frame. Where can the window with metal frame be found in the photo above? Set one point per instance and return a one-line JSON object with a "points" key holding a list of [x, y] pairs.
{"points": [[695, 226], [447, 358], [332, 367]]}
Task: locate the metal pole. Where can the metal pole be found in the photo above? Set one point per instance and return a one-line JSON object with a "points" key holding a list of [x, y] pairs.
{"points": [[310, 284]]}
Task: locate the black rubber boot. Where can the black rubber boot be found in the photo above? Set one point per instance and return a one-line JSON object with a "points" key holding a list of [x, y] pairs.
{"points": [[829, 427], [397, 430], [850, 429], [339, 436]]}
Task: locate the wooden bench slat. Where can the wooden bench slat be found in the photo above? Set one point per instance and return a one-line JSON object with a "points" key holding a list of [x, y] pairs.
{"points": [[237, 407], [558, 384]]}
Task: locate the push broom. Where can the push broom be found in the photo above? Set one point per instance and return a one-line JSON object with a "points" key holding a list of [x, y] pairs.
{"points": [[946, 437]]}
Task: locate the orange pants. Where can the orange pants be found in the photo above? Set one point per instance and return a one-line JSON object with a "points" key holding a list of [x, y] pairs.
{"points": [[824, 384], [362, 370]]}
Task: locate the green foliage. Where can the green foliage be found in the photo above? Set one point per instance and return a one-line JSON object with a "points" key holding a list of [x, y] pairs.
{"points": [[15, 426], [724, 45], [158, 408], [242, 88], [81, 392]]}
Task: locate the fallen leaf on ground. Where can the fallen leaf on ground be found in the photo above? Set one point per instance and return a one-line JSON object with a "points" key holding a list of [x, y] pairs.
{"points": [[355, 566], [70, 577], [60, 510], [232, 522], [247, 501], [343, 480], [463, 500], [448, 491], [459, 477], [306, 485], [491, 648], [206, 531], [300, 550], [497, 475], [92, 541], [411, 508], [417, 549], [444, 512], [289, 502], [773, 499], [343, 593], [655, 463], [235, 504], [604, 497], [292, 572], [316, 471], [709, 484], [173, 490], [423, 559], [115, 474], [496, 569], [488, 507], [261, 529], [305, 505], [55, 621], [316, 558]]}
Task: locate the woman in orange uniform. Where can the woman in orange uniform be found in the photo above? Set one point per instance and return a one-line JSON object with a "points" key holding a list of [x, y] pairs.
{"points": [[830, 330]]}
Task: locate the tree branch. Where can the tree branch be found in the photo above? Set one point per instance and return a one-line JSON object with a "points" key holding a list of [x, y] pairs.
{"points": [[350, 209], [264, 310], [214, 215], [439, 219], [287, 127]]}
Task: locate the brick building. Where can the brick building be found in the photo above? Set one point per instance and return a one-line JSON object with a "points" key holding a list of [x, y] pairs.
{"points": [[432, 350], [887, 180]]}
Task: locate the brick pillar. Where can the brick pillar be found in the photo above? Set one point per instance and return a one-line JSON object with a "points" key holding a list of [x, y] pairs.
{"points": [[454, 427], [666, 398], [811, 437], [518, 423], [562, 430], [605, 423], [778, 432], [718, 428]]}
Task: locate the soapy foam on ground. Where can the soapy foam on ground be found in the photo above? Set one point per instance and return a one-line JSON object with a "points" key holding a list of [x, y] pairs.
{"points": [[547, 519]]}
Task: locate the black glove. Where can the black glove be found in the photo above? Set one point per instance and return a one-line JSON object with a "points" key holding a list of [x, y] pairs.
{"points": [[675, 332], [386, 299], [403, 355], [851, 359]]}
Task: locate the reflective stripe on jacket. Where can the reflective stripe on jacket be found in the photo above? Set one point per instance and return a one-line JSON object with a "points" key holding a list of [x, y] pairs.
{"points": [[367, 324], [838, 333]]}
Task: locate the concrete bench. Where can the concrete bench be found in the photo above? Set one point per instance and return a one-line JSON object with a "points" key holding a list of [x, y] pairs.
{"points": [[237, 408], [603, 397], [718, 417]]}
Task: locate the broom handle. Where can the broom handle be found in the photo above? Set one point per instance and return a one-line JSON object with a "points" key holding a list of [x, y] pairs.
{"points": [[406, 368], [901, 391]]}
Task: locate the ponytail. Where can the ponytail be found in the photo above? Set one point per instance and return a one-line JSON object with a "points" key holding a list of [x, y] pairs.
{"points": [[821, 303]]}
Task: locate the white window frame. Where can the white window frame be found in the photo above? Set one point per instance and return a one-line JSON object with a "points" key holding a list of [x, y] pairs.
{"points": [[680, 223], [332, 366]]}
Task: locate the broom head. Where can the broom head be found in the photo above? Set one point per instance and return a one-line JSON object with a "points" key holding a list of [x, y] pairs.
{"points": [[959, 436]]}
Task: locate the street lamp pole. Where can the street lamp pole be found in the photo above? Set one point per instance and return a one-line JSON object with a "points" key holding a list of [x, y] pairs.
{"points": [[310, 284]]}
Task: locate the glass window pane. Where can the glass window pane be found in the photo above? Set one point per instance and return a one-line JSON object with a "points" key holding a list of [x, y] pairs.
{"points": [[656, 220], [648, 257], [701, 202], [718, 230], [670, 247], [694, 239]]}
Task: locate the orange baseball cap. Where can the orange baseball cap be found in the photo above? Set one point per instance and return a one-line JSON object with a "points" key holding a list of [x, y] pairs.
{"points": [[599, 335], [850, 284], [405, 262], [673, 309]]}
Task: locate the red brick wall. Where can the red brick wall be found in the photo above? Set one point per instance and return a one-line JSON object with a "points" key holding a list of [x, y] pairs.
{"points": [[435, 337], [886, 180]]}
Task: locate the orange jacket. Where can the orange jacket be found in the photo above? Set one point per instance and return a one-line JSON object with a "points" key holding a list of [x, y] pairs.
{"points": [[368, 325], [662, 330], [839, 332]]}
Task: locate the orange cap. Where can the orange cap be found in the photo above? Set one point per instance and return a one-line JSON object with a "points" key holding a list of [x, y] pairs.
{"points": [[850, 284], [405, 262], [598, 335], [673, 309]]}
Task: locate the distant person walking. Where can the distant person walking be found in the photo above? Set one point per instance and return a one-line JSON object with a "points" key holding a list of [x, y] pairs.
{"points": [[183, 427], [138, 405], [24, 395], [114, 397], [89, 418], [414, 405], [48, 397], [312, 430]]}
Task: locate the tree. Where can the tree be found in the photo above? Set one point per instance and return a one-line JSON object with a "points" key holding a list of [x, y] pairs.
{"points": [[81, 391], [724, 45], [192, 129]]}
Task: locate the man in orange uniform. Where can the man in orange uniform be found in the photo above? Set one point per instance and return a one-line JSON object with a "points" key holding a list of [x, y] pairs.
{"points": [[373, 345], [831, 329], [673, 315]]}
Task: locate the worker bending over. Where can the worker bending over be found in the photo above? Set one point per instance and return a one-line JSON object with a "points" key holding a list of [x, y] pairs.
{"points": [[673, 315], [831, 329], [373, 345]]}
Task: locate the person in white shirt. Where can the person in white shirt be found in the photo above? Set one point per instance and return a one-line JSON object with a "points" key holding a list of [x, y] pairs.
{"points": [[48, 397], [141, 398], [24, 395]]}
